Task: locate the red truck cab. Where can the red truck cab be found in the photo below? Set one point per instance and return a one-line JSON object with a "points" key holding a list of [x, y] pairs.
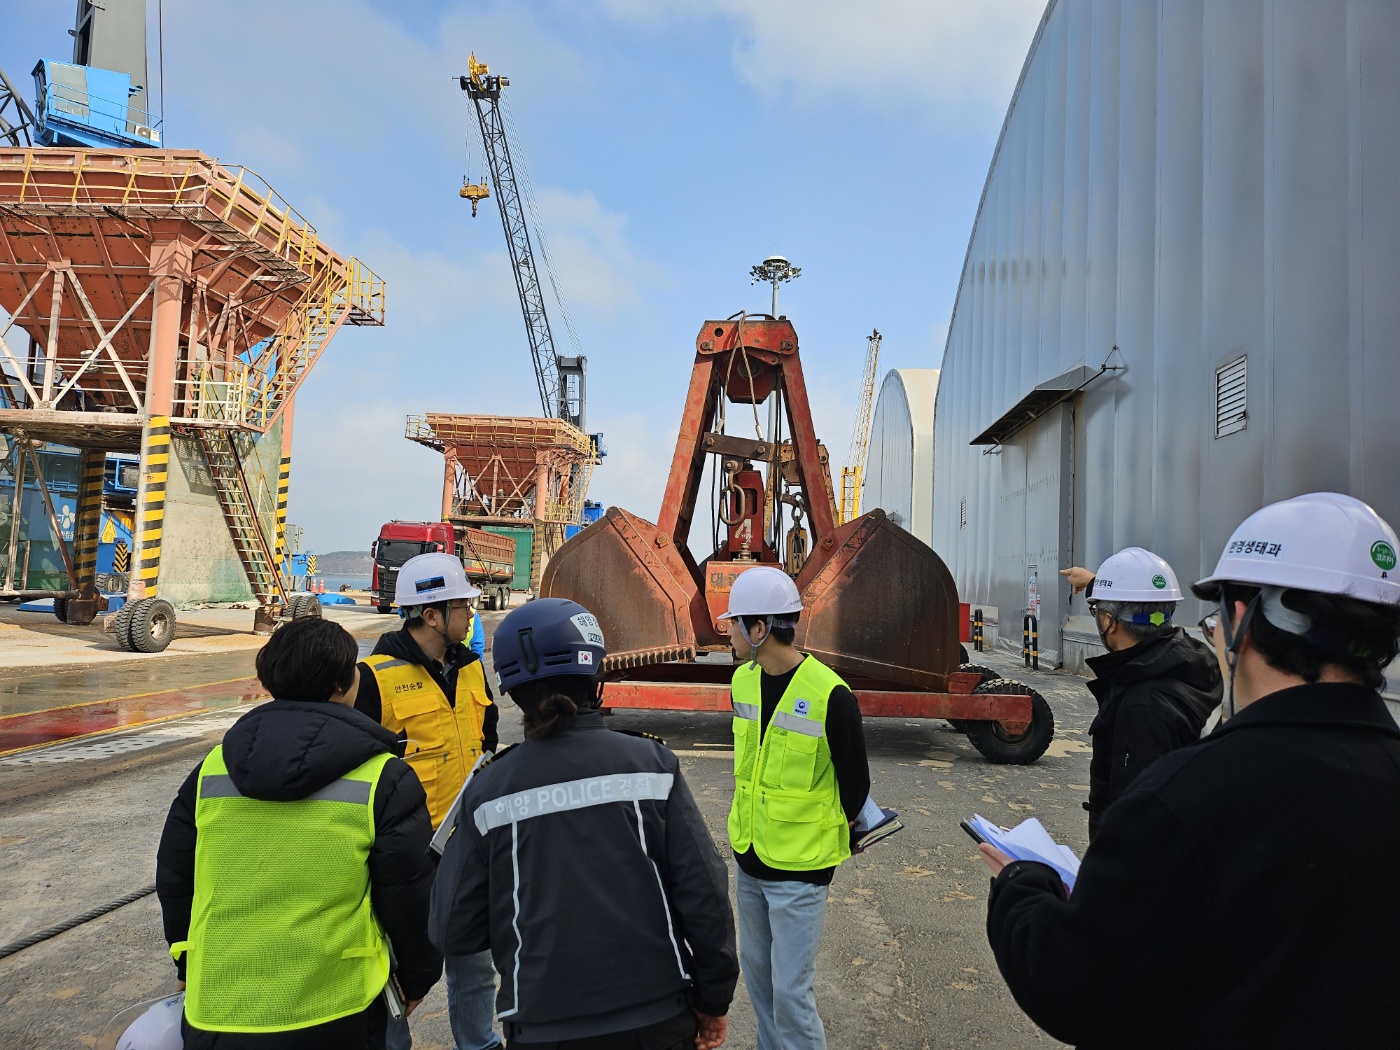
{"points": [[488, 559]]}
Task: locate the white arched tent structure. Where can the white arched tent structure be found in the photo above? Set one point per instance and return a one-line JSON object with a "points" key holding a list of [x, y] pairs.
{"points": [[899, 461]]}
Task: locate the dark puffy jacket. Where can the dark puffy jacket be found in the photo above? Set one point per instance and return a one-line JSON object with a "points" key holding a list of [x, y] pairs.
{"points": [[1153, 698], [583, 863], [1239, 894], [286, 750]]}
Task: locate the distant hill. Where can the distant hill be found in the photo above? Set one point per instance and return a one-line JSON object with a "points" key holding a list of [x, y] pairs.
{"points": [[344, 563]]}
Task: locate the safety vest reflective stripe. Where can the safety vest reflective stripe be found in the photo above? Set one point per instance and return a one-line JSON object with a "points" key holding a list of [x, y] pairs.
{"points": [[787, 804], [282, 931], [444, 740], [343, 790], [571, 795]]}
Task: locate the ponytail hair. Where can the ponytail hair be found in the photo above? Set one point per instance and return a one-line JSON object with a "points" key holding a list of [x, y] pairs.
{"points": [[550, 705]]}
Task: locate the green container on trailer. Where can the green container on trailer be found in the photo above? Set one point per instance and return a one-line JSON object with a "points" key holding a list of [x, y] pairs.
{"points": [[523, 536]]}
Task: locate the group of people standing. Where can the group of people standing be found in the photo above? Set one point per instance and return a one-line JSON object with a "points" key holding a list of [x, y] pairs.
{"points": [[299, 873], [1242, 799]]}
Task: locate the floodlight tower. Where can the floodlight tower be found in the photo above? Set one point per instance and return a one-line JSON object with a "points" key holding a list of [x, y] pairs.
{"points": [[774, 269]]}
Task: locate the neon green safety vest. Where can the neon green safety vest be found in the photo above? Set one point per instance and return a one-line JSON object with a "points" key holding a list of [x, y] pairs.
{"points": [[786, 801], [282, 934]]}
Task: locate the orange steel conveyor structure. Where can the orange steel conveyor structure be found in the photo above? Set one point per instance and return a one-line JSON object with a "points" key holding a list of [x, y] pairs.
{"points": [[161, 291]]}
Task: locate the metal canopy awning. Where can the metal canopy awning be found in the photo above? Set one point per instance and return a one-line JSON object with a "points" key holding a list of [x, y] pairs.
{"points": [[1036, 403]]}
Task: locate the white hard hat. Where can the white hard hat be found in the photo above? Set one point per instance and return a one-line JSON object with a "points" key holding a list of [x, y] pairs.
{"points": [[151, 1025], [1136, 575], [1323, 542], [764, 590], [431, 578]]}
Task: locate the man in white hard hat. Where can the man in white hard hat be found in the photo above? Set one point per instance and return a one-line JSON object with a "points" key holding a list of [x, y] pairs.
{"points": [[800, 780], [430, 689], [1156, 685], [1240, 893]]}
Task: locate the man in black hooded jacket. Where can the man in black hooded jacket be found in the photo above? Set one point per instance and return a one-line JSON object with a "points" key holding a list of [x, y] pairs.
{"points": [[304, 743], [1156, 686]]}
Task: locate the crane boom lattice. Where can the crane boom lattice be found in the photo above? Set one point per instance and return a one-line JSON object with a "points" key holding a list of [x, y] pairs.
{"points": [[853, 474], [484, 90]]}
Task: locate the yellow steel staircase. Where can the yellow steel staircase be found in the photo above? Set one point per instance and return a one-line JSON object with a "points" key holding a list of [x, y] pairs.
{"points": [[241, 506]]}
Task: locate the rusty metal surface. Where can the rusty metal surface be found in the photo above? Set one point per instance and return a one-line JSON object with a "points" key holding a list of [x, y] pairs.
{"points": [[628, 574], [1010, 709], [883, 606]]}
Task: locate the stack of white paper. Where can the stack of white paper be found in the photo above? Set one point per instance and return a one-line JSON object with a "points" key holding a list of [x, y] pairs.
{"points": [[1029, 840]]}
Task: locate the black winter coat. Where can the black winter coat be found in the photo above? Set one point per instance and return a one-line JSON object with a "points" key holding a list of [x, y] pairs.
{"points": [[286, 750], [1241, 894], [583, 863], [1153, 699]]}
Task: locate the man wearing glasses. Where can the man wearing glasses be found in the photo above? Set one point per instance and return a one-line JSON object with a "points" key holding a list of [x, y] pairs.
{"points": [[1156, 685], [1241, 894], [423, 684]]}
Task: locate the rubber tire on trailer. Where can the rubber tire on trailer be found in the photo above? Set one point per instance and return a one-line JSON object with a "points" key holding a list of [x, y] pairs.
{"points": [[60, 609], [304, 607], [383, 608], [997, 746], [122, 627], [505, 597], [490, 599], [152, 625], [988, 675]]}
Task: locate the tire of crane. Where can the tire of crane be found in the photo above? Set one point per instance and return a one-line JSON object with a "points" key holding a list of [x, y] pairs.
{"points": [[152, 625], [309, 608], [122, 625], [987, 675], [997, 745], [60, 609], [962, 653]]}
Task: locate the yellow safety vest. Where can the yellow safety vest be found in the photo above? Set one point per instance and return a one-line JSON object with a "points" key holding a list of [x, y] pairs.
{"points": [[282, 933], [444, 741], [787, 804]]}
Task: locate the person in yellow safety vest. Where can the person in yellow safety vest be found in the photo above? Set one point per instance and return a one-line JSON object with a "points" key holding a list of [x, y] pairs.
{"points": [[422, 683], [291, 857], [800, 780]]}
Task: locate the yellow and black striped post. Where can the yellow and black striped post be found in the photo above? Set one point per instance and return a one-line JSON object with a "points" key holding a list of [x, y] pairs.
{"points": [[89, 520], [121, 557], [284, 480], [150, 508]]}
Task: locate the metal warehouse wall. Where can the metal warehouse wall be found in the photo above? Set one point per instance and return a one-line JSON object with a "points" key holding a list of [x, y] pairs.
{"points": [[899, 461], [1192, 181]]}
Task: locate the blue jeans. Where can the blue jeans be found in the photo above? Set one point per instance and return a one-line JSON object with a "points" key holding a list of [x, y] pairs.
{"points": [[471, 1005], [780, 926]]}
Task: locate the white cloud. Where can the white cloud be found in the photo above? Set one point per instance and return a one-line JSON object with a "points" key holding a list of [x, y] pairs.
{"points": [[943, 53]]}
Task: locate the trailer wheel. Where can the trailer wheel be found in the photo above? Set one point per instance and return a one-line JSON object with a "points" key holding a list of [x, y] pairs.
{"points": [[383, 608], [997, 745], [987, 675], [60, 609], [122, 626], [304, 607], [505, 597], [152, 625]]}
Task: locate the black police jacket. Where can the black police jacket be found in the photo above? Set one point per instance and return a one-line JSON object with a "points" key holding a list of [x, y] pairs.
{"points": [[1240, 894], [583, 863], [1153, 699]]}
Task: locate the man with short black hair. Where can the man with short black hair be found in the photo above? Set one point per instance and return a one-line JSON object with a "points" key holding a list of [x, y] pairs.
{"points": [[288, 855], [1156, 685]]}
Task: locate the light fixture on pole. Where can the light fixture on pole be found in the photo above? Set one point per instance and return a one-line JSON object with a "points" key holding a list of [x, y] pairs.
{"points": [[774, 269]]}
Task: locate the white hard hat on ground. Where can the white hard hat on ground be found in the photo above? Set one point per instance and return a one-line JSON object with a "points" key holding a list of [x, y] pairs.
{"points": [[428, 579], [764, 590], [1136, 575], [1323, 542], [153, 1025]]}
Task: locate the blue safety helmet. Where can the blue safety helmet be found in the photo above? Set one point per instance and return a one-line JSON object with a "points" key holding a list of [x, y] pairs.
{"points": [[546, 638]]}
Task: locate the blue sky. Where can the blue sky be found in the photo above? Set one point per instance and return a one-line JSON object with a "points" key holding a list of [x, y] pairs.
{"points": [[671, 144]]}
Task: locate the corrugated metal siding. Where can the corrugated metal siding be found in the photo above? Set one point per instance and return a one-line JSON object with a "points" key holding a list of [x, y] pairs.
{"points": [[899, 461], [1192, 181]]}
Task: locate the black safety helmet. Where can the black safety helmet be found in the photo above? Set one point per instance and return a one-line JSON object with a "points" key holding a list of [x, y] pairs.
{"points": [[546, 638]]}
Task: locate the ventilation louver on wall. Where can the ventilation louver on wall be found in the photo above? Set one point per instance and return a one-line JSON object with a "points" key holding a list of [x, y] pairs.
{"points": [[962, 514], [1230, 413]]}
